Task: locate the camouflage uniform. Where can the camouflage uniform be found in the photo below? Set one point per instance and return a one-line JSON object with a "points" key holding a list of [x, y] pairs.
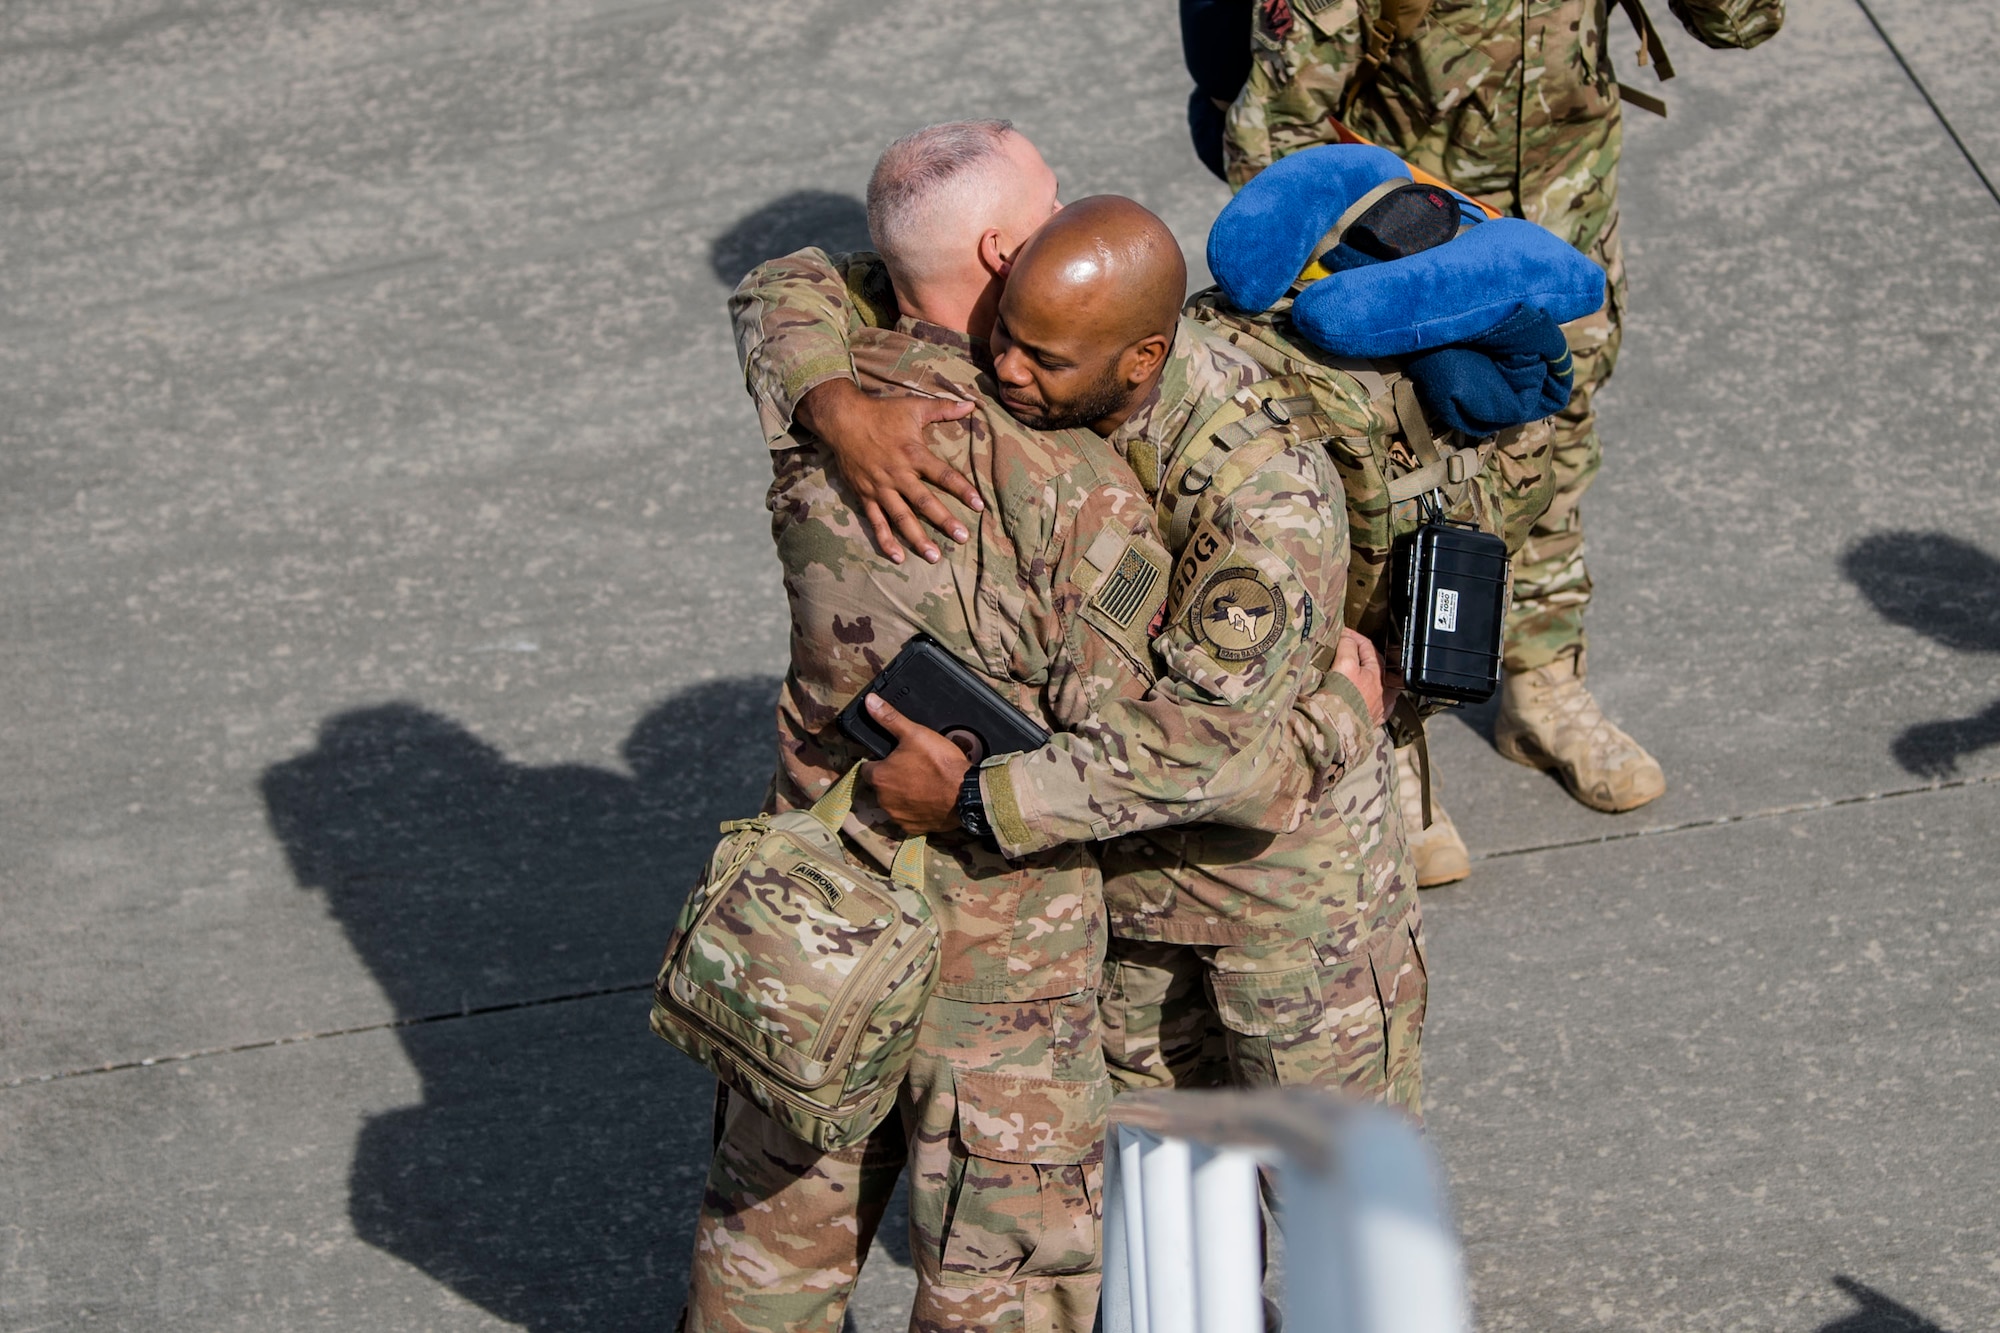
{"points": [[1514, 101], [1002, 1113], [1304, 928], [1245, 957]]}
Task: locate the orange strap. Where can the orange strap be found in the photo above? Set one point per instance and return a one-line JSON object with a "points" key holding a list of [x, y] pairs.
{"points": [[1417, 173]]}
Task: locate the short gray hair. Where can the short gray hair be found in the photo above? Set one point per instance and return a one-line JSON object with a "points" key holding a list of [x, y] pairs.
{"points": [[911, 174]]}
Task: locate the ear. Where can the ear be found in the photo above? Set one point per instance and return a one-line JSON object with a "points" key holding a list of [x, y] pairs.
{"points": [[1142, 359], [990, 257]]}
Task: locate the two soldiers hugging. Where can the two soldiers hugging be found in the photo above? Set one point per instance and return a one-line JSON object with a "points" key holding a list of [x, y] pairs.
{"points": [[1202, 880]]}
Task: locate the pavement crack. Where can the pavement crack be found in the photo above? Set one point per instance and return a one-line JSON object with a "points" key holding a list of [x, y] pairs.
{"points": [[1752, 816], [388, 1025], [1929, 101]]}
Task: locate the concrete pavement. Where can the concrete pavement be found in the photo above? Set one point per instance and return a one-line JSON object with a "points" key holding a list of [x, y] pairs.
{"points": [[390, 615]]}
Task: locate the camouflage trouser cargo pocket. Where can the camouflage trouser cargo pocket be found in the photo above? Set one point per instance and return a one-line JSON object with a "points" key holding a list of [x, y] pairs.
{"points": [[1026, 1178], [1272, 1002], [1297, 1014]]}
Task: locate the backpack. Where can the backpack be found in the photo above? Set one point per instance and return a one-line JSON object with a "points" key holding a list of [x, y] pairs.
{"points": [[799, 977], [1387, 455]]}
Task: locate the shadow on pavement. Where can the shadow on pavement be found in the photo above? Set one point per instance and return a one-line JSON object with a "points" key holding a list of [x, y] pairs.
{"points": [[551, 1170], [791, 222], [1878, 1314], [1947, 590]]}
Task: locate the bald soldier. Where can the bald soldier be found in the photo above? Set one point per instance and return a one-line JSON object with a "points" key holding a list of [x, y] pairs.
{"points": [[1288, 960], [1049, 598]]}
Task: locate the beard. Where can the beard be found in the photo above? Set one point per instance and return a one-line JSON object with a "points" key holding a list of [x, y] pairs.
{"points": [[1094, 402]]}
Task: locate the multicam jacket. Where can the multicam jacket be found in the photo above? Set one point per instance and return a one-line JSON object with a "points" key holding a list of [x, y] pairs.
{"points": [[1256, 588], [1512, 100]]}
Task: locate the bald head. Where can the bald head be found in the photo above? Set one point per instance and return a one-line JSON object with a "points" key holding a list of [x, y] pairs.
{"points": [[1089, 315]]}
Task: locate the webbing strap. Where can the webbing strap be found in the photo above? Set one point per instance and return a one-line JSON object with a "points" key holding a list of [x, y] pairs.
{"points": [[1416, 426], [1314, 270], [832, 810], [1338, 125], [1437, 470], [908, 867], [1253, 413], [1650, 44]]}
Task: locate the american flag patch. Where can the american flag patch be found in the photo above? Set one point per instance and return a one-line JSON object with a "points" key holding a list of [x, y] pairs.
{"points": [[1124, 592]]}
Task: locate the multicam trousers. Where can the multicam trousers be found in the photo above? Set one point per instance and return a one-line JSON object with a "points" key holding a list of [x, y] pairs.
{"points": [[1294, 1014], [1551, 584], [1001, 1121]]}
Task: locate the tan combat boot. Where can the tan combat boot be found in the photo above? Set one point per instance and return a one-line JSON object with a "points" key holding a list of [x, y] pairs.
{"points": [[1548, 720], [1438, 851]]}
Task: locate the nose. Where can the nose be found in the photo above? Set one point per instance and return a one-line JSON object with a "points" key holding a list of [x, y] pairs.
{"points": [[1010, 367]]}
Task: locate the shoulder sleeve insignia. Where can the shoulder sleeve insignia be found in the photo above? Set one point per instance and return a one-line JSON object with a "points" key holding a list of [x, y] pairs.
{"points": [[1237, 615]]}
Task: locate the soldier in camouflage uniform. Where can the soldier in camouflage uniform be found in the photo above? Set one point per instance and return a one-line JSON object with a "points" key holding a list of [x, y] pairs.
{"points": [[1237, 957], [1001, 1116], [1514, 101]]}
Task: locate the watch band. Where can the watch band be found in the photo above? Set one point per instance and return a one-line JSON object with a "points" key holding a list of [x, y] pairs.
{"points": [[971, 807]]}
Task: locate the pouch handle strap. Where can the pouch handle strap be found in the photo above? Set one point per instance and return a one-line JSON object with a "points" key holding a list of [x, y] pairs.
{"points": [[908, 867], [832, 810]]}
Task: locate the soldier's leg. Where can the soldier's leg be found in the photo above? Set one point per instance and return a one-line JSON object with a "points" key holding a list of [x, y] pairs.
{"points": [[1436, 850], [784, 1227], [1305, 1014], [1548, 718], [1551, 583], [1159, 1026], [1006, 1165]]}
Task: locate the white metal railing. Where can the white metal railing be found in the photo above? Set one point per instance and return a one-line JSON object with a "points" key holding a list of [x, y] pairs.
{"points": [[1368, 1246]]}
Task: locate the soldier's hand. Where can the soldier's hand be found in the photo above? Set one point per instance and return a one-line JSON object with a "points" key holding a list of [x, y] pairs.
{"points": [[1356, 659], [881, 449], [917, 785]]}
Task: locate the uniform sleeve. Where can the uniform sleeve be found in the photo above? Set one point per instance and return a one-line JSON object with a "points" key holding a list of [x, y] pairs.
{"points": [[1228, 731], [794, 318]]}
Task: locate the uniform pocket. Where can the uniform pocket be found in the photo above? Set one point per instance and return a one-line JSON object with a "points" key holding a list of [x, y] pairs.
{"points": [[1027, 1177]]}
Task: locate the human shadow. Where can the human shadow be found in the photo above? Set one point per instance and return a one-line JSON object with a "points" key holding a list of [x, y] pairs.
{"points": [[512, 914], [1878, 1314], [1948, 590], [790, 222]]}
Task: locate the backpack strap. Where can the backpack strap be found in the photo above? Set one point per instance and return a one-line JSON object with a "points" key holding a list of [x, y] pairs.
{"points": [[1395, 20], [1225, 455], [1437, 469], [832, 809]]}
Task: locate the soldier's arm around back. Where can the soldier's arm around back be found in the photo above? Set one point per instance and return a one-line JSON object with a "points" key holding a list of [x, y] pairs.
{"points": [[795, 321]]}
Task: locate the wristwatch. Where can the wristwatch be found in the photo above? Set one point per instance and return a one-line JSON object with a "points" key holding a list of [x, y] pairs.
{"points": [[971, 807]]}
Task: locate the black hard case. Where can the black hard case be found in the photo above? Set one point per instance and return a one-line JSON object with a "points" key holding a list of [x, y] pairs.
{"points": [[1451, 604], [926, 684]]}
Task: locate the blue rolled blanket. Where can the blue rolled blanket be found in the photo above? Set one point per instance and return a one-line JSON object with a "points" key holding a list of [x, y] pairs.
{"points": [[1517, 371]]}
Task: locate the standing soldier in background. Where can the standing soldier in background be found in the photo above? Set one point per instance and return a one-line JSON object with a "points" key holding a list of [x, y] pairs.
{"points": [[1514, 101]]}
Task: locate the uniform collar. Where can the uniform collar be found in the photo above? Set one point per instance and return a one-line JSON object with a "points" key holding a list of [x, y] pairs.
{"points": [[973, 349], [1199, 377]]}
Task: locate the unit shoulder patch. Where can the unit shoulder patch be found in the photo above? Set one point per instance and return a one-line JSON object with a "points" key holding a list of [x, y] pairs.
{"points": [[1237, 615]]}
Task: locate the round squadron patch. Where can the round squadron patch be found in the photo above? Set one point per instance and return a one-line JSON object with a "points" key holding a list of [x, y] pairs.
{"points": [[1237, 615]]}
